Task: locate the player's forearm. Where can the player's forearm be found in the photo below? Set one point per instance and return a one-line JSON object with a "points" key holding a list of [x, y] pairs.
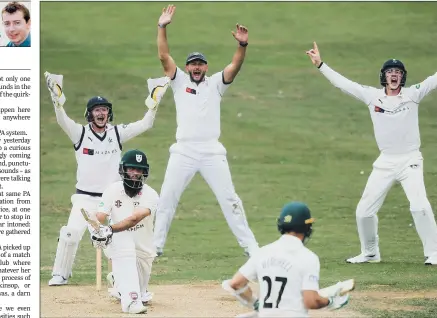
{"points": [[72, 129], [125, 224], [234, 67], [163, 50], [347, 86], [316, 302], [134, 129], [238, 58], [131, 221]]}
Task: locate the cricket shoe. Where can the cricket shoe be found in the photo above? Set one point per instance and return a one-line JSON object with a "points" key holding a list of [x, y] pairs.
{"points": [[136, 307], [146, 297], [431, 260], [375, 258], [250, 251], [159, 251], [58, 281]]}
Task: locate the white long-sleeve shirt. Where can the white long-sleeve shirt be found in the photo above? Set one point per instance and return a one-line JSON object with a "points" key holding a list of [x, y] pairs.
{"points": [[98, 154], [395, 118]]}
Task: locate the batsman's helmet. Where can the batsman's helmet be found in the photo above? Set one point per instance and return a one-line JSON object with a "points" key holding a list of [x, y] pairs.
{"points": [[195, 56], [98, 101], [296, 217], [134, 159], [392, 63]]}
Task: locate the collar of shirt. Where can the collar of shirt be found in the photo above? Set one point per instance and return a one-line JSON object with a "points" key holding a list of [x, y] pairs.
{"points": [[26, 42], [290, 240], [384, 95]]}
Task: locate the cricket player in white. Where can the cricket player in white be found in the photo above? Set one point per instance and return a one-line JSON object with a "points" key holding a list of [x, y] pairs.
{"points": [[130, 205], [197, 98], [98, 147], [394, 112], [287, 272]]}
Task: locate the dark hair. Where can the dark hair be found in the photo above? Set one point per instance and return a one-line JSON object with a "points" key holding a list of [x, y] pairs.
{"points": [[13, 7]]}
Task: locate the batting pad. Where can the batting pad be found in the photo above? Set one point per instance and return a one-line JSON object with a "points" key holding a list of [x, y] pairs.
{"points": [[344, 286], [67, 246]]}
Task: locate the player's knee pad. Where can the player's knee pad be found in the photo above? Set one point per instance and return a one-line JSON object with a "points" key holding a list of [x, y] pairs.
{"points": [[68, 243]]}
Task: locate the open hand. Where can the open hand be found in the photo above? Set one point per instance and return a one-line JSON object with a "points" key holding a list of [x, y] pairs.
{"points": [[314, 55], [167, 15], [242, 34]]}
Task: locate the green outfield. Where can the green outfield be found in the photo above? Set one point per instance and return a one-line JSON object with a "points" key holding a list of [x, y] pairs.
{"points": [[290, 135]]}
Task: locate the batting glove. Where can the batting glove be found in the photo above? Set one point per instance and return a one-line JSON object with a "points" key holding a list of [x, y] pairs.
{"points": [[337, 301], [101, 238], [54, 84]]}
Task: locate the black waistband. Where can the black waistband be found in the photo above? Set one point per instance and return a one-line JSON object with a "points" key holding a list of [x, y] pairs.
{"points": [[93, 194]]}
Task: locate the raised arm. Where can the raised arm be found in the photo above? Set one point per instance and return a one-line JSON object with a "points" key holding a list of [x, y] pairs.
{"points": [[71, 128], [424, 88], [231, 71], [356, 90], [167, 61]]}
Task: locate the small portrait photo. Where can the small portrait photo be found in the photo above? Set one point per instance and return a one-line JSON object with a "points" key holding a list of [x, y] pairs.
{"points": [[15, 30]]}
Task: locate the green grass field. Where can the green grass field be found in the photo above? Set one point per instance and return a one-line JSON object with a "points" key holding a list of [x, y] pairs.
{"points": [[298, 137]]}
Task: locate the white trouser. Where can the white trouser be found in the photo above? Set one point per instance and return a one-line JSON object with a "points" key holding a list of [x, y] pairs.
{"points": [[131, 267], [72, 233], [215, 170], [387, 170]]}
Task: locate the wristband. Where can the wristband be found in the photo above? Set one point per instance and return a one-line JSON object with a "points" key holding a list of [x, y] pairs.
{"points": [[244, 44], [162, 26], [320, 65]]}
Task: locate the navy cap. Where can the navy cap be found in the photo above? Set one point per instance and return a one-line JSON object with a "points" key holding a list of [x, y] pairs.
{"points": [[196, 56]]}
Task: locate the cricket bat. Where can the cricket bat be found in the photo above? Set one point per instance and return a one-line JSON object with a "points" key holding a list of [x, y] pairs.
{"points": [[94, 223], [346, 286]]}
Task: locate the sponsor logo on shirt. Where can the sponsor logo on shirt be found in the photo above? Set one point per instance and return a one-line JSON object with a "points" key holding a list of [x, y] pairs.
{"points": [[378, 109], [87, 151], [190, 90], [136, 227], [313, 278], [92, 152]]}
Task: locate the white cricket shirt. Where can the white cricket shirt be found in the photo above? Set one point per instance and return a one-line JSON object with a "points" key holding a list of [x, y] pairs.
{"points": [[283, 270], [198, 107], [119, 206], [98, 154], [395, 118]]}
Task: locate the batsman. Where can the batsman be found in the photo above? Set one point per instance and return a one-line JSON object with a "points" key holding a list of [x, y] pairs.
{"points": [[394, 110], [130, 204], [287, 272]]}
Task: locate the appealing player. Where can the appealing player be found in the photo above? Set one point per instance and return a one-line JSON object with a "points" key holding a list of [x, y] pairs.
{"points": [[197, 98], [97, 147], [287, 272], [394, 112], [131, 205]]}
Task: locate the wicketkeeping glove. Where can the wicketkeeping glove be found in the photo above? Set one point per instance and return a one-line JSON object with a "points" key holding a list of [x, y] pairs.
{"points": [[54, 84], [157, 88]]}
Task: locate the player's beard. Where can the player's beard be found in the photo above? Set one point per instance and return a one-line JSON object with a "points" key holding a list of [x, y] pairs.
{"points": [[202, 76], [131, 192]]}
